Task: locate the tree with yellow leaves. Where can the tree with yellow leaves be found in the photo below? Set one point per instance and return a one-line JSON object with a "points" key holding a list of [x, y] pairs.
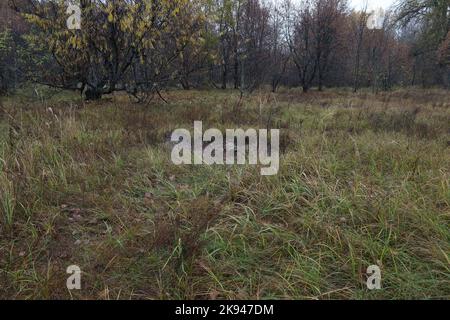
{"points": [[120, 45]]}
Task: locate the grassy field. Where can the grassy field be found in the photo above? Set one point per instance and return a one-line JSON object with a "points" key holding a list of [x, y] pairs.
{"points": [[364, 180]]}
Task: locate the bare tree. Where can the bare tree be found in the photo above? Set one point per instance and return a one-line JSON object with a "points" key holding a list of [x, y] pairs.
{"points": [[358, 26], [278, 49], [300, 38]]}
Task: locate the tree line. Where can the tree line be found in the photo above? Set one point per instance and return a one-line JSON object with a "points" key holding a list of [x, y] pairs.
{"points": [[141, 47]]}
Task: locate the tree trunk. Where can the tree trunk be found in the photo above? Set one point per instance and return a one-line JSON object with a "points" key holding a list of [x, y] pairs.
{"points": [[320, 83], [224, 76], [446, 76], [236, 72], [185, 83]]}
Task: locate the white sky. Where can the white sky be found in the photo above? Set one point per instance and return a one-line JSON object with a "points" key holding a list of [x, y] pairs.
{"points": [[358, 4]]}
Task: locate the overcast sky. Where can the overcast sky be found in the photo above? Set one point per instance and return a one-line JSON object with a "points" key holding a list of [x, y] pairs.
{"points": [[358, 4]]}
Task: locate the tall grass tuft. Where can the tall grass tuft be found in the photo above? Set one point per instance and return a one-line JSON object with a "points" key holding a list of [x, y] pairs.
{"points": [[7, 201]]}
